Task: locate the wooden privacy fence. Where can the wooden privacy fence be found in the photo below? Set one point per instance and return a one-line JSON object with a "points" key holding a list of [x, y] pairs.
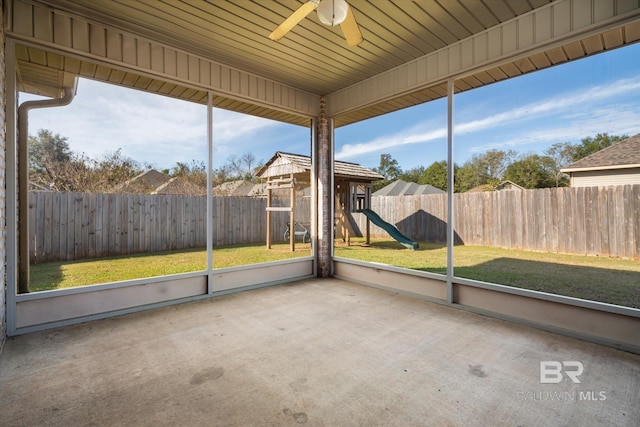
{"points": [[584, 220], [73, 226], [587, 220]]}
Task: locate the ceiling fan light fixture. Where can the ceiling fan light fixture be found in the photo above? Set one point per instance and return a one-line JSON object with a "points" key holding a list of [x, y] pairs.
{"points": [[332, 12]]}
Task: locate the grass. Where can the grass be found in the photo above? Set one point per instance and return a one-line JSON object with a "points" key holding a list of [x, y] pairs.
{"points": [[610, 280], [69, 274]]}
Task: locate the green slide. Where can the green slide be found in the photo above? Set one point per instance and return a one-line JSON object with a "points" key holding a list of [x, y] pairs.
{"points": [[391, 229]]}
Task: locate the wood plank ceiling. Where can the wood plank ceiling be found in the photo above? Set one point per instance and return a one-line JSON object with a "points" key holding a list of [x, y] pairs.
{"points": [[314, 57]]}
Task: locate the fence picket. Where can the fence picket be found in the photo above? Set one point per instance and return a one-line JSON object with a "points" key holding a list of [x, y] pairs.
{"points": [[596, 221], [593, 221]]}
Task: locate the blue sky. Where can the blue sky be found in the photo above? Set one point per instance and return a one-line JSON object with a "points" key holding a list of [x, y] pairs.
{"points": [[526, 114]]}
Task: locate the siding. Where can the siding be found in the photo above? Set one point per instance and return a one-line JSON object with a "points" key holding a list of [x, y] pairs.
{"points": [[605, 178]]}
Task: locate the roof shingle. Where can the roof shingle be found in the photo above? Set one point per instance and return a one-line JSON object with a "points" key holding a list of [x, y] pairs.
{"points": [[620, 155], [403, 188]]}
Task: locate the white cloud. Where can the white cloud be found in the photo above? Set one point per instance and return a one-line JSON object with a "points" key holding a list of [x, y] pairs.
{"points": [[394, 140], [149, 128], [162, 130], [229, 126], [622, 118]]}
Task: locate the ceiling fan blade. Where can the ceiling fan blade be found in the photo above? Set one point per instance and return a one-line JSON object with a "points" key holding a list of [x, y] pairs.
{"points": [[350, 30], [293, 20]]}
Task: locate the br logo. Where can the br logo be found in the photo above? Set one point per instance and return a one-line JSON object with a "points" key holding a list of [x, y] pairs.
{"points": [[552, 371]]}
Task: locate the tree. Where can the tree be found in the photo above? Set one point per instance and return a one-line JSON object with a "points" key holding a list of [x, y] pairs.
{"points": [[487, 168], [561, 154], [106, 174], [436, 175], [193, 177], [72, 176], [389, 169], [496, 162], [219, 175], [412, 175], [532, 171], [54, 166], [243, 167], [47, 152], [590, 145], [111, 170], [195, 171], [470, 175]]}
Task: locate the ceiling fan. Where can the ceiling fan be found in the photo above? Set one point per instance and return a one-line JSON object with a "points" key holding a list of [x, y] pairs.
{"points": [[330, 12]]}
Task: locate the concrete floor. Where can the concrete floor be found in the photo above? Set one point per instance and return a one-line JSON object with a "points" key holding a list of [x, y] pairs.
{"points": [[316, 352]]}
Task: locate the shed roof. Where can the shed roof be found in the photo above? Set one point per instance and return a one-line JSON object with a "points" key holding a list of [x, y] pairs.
{"points": [[621, 155], [287, 163], [403, 188]]}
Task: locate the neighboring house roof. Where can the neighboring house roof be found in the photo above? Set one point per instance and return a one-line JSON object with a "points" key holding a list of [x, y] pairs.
{"points": [[180, 186], [146, 182], [282, 164], [238, 188], [508, 185], [621, 155], [403, 188], [480, 188], [505, 185], [257, 190]]}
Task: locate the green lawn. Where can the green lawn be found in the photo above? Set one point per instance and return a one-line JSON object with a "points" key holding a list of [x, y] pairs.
{"points": [[611, 280], [69, 274]]}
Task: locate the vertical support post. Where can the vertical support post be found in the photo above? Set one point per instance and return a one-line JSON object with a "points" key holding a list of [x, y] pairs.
{"points": [[23, 181], [368, 240], [209, 193], [347, 228], [331, 219], [11, 248], [324, 154], [268, 216], [367, 205], [339, 222], [345, 211], [24, 261], [450, 183], [292, 216], [314, 195]]}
